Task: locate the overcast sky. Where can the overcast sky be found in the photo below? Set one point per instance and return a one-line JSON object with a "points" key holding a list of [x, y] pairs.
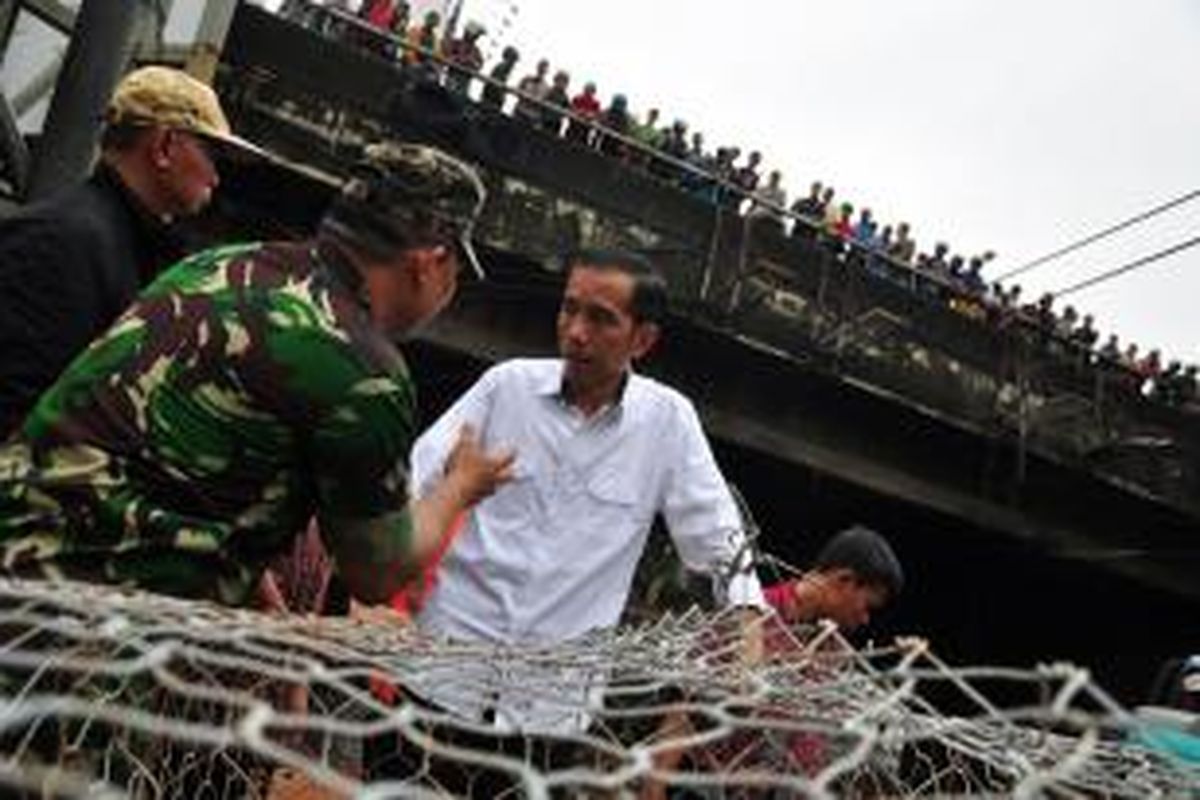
{"points": [[1017, 126]]}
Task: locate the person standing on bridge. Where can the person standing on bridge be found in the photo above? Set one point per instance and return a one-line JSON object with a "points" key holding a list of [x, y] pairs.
{"points": [[464, 57], [249, 389]]}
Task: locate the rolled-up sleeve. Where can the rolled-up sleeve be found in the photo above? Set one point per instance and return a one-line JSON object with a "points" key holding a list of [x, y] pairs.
{"points": [[702, 516]]}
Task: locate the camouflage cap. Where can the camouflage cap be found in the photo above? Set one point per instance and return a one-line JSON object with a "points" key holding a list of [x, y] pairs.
{"points": [[173, 99], [395, 181]]}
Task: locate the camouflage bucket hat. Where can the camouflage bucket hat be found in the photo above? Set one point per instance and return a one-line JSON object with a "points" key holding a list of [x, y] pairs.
{"points": [[173, 99], [395, 181]]}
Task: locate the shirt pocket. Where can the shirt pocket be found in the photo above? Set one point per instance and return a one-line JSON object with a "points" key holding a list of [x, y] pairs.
{"points": [[520, 499], [610, 524], [610, 486], [613, 500]]}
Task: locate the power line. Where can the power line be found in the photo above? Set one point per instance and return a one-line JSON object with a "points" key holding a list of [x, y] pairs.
{"points": [[1095, 237], [1132, 265]]}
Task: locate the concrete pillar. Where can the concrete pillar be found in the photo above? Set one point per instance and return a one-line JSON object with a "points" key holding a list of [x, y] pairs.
{"points": [[214, 26], [8, 18]]}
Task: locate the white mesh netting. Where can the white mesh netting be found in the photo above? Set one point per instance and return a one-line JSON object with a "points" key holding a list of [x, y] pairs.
{"points": [[114, 693]]}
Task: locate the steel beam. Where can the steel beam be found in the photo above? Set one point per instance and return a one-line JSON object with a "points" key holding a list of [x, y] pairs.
{"points": [[210, 38], [56, 14], [8, 19], [40, 85], [15, 153], [104, 39]]}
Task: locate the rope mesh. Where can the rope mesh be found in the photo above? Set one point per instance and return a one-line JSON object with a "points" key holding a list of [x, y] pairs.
{"points": [[105, 692]]}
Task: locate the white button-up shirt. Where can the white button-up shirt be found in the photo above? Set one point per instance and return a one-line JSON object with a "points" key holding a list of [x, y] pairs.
{"points": [[551, 555]]}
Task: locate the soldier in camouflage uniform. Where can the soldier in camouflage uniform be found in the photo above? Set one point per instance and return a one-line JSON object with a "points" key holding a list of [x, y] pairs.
{"points": [[249, 388]]}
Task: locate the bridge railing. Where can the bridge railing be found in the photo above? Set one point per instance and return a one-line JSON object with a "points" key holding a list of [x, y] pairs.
{"points": [[721, 261], [944, 291]]}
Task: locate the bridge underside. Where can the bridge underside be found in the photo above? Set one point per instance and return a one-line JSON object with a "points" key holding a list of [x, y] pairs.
{"points": [[802, 416]]}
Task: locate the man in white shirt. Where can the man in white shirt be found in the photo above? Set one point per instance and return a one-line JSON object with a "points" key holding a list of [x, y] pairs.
{"points": [[600, 452], [769, 201], [535, 88]]}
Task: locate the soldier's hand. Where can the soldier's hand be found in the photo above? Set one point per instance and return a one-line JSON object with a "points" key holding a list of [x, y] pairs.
{"points": [[475, 473]]}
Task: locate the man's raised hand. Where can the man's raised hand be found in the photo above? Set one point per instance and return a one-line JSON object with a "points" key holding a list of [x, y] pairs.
{"points": [[475, 473]]}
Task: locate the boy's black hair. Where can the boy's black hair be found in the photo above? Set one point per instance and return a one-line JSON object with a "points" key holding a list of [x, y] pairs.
{"points": [[865, 553]]}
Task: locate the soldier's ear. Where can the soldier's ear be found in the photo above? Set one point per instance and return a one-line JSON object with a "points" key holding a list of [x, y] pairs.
{"points": [[158, 143], [426, 262]]}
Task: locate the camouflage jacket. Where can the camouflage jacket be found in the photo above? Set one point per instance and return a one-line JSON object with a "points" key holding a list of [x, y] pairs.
{"points": [[244, 391]]}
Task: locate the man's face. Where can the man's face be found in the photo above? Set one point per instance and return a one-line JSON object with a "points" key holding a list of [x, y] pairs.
{"points": [[598, 336], [188, 173], [849, 600]]}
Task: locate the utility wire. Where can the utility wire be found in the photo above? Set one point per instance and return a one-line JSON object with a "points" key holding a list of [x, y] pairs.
{"points": [[1132, 265], [1095, 237]]}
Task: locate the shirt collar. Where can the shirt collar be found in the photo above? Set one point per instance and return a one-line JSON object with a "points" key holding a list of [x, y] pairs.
{"points": [[158, 240], [551, 385], [107, 175]]}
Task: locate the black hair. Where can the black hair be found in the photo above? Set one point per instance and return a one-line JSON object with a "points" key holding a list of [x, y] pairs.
{"points": [[649, 287], [865, 553]]}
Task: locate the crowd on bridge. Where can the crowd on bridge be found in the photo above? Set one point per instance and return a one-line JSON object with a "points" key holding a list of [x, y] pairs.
{"points": [[671, 152]]}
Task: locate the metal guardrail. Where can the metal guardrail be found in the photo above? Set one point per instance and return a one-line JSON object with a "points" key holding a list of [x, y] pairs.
{"points": [[340, 25], [13, 151], [649, 153], [918, 278], [58, 15]]}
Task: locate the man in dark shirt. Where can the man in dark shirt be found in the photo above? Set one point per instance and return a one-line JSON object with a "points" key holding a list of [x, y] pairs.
{"points": [[493, 91], [746, 176], [248, 390], [71, 264], [559, 99]]}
